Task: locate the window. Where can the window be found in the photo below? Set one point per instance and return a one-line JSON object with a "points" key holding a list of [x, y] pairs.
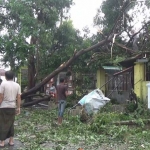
{"points": [[119, 83]]}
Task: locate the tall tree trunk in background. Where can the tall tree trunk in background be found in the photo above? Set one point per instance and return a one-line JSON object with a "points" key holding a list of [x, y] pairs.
{"points": [[31, 66], [33, 60], [31, 72]]}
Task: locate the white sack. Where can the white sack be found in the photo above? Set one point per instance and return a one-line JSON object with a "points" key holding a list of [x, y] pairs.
{"points": [[94, 101]]}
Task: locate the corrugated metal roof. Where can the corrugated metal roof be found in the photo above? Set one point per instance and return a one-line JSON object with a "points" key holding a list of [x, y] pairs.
{"points": [[112, 68]]}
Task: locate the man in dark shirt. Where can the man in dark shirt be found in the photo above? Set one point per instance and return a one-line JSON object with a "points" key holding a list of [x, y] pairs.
{"points": [[62, 92]]}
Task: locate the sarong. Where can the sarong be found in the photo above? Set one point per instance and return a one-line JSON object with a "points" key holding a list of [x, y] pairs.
{"points": [[7, 117]]}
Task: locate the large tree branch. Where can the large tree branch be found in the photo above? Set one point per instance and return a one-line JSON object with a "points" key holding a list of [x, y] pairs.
{"points": [[124, 47], [65, 65], [131, 38], [36, 101]]}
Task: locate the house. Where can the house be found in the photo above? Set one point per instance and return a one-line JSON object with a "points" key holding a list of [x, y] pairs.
{"points": [[141, 73], [135, 74]]}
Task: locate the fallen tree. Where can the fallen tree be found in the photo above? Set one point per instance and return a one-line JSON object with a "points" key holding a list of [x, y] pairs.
{"points": [[65, 65], [36, 101]]}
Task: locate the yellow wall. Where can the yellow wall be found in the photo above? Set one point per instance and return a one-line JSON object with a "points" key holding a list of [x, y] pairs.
{"points": [[138, 78], [101, 79], [140, 87]]}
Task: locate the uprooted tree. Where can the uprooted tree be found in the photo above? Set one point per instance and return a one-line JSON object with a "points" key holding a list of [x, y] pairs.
{"points": [[37, 22]]}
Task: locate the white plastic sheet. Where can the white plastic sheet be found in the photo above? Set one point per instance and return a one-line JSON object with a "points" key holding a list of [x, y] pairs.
{"points": [[94, 101]]}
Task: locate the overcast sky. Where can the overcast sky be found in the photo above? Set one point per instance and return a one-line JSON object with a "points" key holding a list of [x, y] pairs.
{"points": [[83, 12]]}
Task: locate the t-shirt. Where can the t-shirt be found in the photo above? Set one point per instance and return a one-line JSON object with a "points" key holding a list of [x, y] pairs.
{"points": [[10, 90], [61, 89], [53, 89]]}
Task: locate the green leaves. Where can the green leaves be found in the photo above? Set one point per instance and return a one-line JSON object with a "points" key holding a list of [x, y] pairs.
{"points": [[36, 128]]}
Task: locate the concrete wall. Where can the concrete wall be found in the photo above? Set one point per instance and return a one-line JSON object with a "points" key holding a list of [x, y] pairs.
{"points": [[100, 79], [138, 78], [144, 90], [120, 96], [140, 87]]}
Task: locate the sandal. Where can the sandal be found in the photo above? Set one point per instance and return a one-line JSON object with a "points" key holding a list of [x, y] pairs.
{"points": [[1, 146], [11, 144]]}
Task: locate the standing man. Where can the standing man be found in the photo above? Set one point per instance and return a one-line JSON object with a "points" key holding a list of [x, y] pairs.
{"points": [[10, 100], [62, 92]]}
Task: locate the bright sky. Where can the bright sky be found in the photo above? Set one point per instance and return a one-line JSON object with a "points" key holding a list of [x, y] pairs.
{"points": [[83, 12]]}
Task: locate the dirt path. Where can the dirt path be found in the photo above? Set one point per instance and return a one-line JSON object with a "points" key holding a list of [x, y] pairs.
{"points": [[17, 145]]}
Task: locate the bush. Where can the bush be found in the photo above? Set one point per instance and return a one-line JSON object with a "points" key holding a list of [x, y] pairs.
{"points": [[72, 100]]}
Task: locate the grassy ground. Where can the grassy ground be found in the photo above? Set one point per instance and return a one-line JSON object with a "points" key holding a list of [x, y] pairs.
{"points": [[37, 130]]}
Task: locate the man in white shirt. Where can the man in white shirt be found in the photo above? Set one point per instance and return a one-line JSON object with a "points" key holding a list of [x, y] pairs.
{"points": [[53, 91], [10, 100]]}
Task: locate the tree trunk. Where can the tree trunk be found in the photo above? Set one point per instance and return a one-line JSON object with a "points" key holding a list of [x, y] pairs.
{"points": [[31, 72], [38, 100], [31, 66], [131, 122], [31, 69]]}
